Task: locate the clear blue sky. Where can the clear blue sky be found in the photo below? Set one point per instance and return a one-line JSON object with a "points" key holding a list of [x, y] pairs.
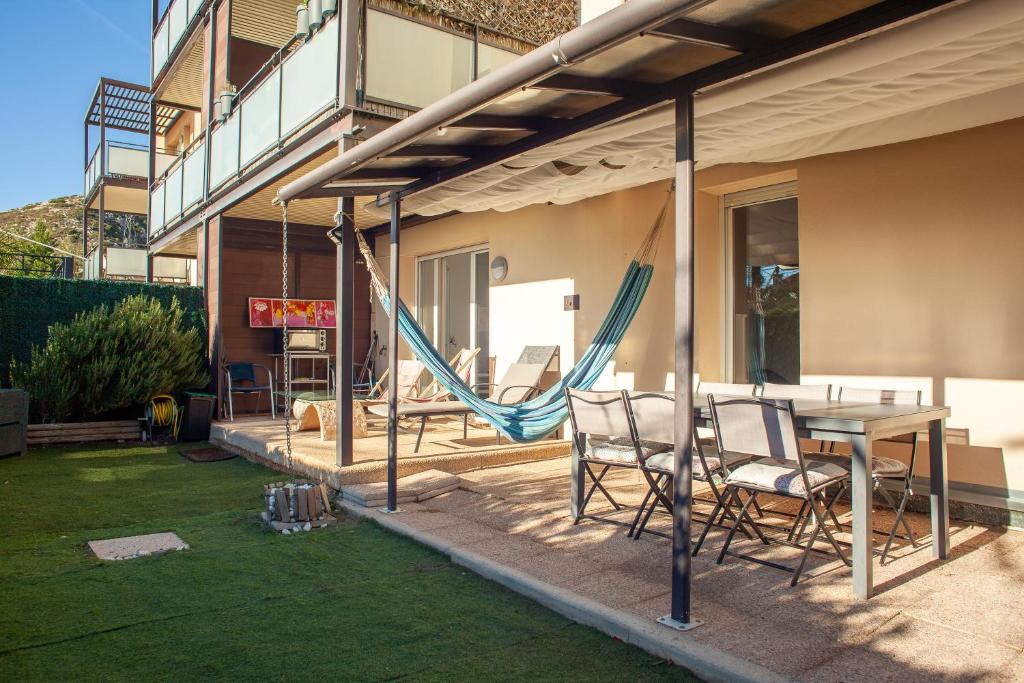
{"points": [[51, 56]]}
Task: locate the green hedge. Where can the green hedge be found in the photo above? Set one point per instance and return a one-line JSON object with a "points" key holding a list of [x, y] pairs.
{"points": [[28, 306]]}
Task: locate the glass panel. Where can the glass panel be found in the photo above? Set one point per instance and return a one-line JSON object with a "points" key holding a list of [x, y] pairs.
{"points": [[159, 48], [172, 198], [260, 116], [224, 153], [193, 7], [156, 217], [483, 292], [490, 58], [178, 19], [309, 78], [455, 273], [126, 262], [412, 64], [163, 162], [766, 292], [194, 176], [426, 305], [127, 161]]}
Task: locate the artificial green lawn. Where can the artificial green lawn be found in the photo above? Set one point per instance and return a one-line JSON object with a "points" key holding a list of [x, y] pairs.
{"points": [[352, 602]]}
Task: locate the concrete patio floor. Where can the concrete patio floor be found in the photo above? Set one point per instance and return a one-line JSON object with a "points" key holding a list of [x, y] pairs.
{"points": [[959, 619], [262, 439]]}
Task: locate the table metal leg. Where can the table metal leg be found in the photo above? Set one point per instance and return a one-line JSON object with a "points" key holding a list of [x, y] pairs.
{"points": [[861, 498], [939, 484], [577, 485]]}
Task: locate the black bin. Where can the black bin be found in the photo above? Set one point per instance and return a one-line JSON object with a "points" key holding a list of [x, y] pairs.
{"points": [[195, 424]]}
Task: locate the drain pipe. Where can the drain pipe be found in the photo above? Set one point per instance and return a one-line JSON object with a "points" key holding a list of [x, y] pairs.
{"points": [[607, 30]]}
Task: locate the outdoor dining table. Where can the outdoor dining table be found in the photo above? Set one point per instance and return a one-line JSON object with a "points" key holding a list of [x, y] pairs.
{"points": [[859, 424]]}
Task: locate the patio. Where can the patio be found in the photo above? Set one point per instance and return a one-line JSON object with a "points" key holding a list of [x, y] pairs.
{"points": [[956, 619], [262, 439]]}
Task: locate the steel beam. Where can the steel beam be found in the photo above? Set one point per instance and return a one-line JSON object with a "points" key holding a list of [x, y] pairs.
{"points": [[682, 499], [344, 286], [392, 469]]}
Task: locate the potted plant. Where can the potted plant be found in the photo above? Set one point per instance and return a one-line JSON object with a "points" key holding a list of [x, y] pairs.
{"points": [[301, 20], [330, 8], [316, 14]]}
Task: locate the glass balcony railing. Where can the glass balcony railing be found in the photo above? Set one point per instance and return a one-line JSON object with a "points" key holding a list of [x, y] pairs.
{"points": [[411, 64], [172, 30], [121, 159], [180, 186]]}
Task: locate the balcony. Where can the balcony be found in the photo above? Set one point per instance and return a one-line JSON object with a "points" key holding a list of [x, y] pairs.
{"points": [[408, 61], [172, 30], [120, 160]]}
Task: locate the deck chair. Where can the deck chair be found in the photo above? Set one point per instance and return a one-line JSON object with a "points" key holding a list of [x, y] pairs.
{"points": [[765, 429], [409, 372], [462, 363], [520, 383], [240, 378]]}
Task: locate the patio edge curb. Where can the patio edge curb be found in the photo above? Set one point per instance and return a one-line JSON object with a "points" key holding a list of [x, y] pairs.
{"points": [[706, 662]]}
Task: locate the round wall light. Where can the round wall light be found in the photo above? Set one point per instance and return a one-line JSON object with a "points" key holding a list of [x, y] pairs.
{"points": [[499, 268]]}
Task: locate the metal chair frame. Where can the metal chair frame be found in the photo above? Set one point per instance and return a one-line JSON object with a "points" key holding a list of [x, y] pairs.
{"points": [[813, 496], [590, 463], [259, 390]]}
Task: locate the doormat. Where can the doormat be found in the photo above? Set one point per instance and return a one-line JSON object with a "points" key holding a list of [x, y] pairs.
{"points": [[208, 455], [130, 547]]}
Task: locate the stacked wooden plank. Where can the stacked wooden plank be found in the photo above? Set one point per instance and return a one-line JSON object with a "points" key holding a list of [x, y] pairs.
{"points": [[81, 432], [13, 421], [296, 506]]}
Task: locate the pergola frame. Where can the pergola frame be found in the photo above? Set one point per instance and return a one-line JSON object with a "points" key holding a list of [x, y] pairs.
{"points": [[538, 70]]}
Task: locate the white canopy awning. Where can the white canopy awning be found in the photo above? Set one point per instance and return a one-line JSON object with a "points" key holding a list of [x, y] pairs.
{"points": [[949, 71]]}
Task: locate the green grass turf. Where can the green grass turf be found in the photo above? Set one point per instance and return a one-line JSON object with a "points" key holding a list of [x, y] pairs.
{"points": [[351, 602]]}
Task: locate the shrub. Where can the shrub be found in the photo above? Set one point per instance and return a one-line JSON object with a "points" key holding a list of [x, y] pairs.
{"points": [[112, 358]]}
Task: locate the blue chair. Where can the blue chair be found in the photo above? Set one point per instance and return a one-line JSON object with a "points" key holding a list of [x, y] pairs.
{"points": [[240, 378]]}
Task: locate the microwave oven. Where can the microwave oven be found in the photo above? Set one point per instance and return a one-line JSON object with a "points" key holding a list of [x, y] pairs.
{"points": [[304, 340]]}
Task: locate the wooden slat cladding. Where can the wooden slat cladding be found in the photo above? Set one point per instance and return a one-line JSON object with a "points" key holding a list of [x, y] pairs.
{"points": [[251, 266]]}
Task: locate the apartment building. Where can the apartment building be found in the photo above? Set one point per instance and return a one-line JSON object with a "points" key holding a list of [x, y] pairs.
{"points": [[248, 95]]}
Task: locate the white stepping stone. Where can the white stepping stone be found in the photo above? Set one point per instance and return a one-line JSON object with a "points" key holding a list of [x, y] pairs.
{"points": [[130, 547]]}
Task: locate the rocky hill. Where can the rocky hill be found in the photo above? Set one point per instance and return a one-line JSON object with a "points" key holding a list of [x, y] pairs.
{"points": [[61, 216]]}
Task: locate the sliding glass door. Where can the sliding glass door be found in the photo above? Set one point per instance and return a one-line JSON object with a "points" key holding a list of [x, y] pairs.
{"points": [[763, 288], [452, 304]]}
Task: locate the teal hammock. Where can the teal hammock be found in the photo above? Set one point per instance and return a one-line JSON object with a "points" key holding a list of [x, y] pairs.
{"points": [[540, 416]]}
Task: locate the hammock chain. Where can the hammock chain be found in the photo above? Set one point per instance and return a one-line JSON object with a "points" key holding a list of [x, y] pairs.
{"points": [[287, 359]]}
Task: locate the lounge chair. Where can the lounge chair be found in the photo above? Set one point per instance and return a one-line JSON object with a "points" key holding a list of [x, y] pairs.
{"points": [[520, 383], [462, 363], [409, 372]]}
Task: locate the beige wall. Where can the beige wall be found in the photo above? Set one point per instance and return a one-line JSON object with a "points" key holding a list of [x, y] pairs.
{"points": [[909, 262]]}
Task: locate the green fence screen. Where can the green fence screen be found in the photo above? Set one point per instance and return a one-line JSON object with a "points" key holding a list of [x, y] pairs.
{"points": [[28, 306]]}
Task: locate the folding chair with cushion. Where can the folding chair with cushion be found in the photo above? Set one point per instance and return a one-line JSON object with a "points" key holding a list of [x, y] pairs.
{"points": [[765, 429], [240, 378], [885, 469], [520, 383], [712, 466], [604, 437], [652, 422]]}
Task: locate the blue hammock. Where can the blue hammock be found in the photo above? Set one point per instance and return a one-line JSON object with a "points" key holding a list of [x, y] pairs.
{"points": [[538, 417]]}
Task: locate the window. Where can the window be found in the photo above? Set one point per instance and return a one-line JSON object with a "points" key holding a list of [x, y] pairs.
{"points": [[763, 286]]}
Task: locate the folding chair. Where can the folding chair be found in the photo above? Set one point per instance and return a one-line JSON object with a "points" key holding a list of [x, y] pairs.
{"points": [[604, 438], [652, 421], [765, 429], [884, 469]]}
